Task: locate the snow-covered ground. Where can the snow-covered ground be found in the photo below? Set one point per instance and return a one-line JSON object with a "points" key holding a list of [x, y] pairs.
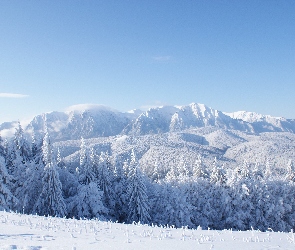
{"points": [[18, 231]]}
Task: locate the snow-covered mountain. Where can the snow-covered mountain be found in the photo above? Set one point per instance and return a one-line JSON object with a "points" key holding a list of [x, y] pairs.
{"points": [[173, 118], [88, 121], [91, 121], [264, 123], [168, 135]]}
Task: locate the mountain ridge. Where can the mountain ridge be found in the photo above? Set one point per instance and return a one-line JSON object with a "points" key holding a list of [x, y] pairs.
{"points": [[93, 120]]}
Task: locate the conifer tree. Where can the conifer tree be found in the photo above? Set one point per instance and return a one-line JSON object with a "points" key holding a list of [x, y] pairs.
{"points": [[120, 192], [7, 199], [87, 203], [33, 183], [22, 144], [218, 175], [268, 171], [257, 173], [105, 180], [17, 159], [290, 171], [199, 170], [50, 201], [2, 149], [137, 193]]}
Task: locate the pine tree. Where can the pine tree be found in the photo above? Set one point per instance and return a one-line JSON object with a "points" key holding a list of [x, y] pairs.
{"points": [[50, 201], [137, 193], [87, 203], [33, 183], [86, 173], [105, 180], [199, 197], [2, 149], [156, 173], [245, 171], [120, 192], [32, 186], [268, 171], [22, 144], [172, 206], [257, 173], [7, 199], [138, 201], [59, 161], [290, 171], [173, 175], [218, 174], [199, 170], [19, 173], [239, 217]]}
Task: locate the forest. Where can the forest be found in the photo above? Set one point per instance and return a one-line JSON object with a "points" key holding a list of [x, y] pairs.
{"points": [[35, 180]]}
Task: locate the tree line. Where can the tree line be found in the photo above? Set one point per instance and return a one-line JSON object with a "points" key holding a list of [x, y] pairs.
{"points": [[34, 180]]}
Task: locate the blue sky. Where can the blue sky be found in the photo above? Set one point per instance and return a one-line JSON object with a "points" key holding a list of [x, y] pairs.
{"points": [[229, 55]]}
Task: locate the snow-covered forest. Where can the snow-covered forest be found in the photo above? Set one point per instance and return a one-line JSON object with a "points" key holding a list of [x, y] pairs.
{"points": [[35, 179]]}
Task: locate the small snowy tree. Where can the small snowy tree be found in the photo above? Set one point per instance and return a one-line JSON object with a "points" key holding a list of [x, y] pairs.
{"points": [[268, 170], [218, 174], [290, 171], [199, 170], [257, 173]]}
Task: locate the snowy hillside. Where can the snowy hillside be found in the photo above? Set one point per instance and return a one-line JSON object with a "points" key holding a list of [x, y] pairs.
{"points": [[33, 232], [170, 149]]}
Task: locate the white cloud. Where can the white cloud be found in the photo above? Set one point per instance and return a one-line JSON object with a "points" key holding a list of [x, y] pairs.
{"points": [[12, 95]]}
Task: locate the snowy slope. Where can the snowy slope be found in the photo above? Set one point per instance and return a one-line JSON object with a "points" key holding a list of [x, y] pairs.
{"points": [[34, 232], [169, 149]]}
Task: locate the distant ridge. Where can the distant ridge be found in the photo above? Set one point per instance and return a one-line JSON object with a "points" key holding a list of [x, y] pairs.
{"points": [[92, 120]]}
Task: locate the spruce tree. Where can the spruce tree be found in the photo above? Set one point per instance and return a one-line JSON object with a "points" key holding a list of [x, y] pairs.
{"points": [[290, 176], [87, 203], [199, 170], [7, 199], [50, 201], [105, 179], [137, 193]]}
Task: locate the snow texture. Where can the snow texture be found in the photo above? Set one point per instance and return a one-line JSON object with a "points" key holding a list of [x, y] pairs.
{"points": [[33, 232]]}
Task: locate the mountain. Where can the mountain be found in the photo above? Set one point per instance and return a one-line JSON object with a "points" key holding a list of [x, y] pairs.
{"points": [[88, 121], [168, 136], [264, 123], [91, 121]]}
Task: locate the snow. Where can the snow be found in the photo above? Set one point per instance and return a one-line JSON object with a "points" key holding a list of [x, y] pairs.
{"points": [[20, 231], [121, 138], [252, 116]]}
